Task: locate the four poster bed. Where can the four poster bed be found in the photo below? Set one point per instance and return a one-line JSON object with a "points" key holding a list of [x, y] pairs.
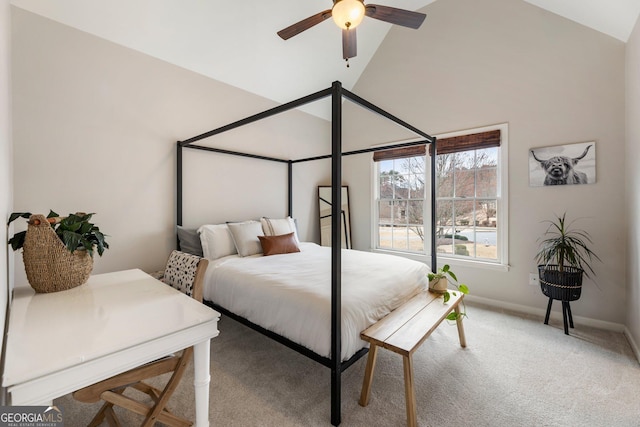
{"points": [[300, 310]]}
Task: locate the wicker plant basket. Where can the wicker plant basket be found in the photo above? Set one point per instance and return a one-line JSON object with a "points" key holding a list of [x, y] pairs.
{"points": [[49, 265], [563, 285]]}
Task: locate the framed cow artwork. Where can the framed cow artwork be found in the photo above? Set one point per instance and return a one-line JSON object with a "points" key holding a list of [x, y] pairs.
{"points": [[567, 164]]}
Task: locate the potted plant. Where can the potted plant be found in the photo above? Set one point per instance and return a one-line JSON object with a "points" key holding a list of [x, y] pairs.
{"points": [[58, 251], [563, 258], [439, 283]]}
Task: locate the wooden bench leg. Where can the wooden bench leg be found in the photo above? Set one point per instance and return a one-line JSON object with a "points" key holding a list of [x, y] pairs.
{"points": [[463, 340], [410, 395], [368, 375]]}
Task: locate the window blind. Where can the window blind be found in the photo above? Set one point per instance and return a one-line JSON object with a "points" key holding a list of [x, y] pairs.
{"points": [[453, 144], [473, 141], [399, 153]]}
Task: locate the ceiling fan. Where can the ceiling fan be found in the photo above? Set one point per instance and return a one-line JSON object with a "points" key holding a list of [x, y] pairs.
{"points": [[347, 14]]}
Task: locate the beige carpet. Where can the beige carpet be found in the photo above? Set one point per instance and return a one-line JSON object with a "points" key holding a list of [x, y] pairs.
{"points": [[516, 371]]}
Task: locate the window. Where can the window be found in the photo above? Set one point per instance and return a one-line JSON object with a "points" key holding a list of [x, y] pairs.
{"points": [[400, 203], [470, 184]]}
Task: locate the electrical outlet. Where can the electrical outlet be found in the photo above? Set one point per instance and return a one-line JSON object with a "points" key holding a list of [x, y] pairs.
{"points": [[533, 279]]}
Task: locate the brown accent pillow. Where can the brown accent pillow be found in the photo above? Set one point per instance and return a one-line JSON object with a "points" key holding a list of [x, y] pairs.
{"points": [[282, 244]]}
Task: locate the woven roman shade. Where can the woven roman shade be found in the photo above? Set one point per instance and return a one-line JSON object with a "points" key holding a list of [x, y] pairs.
{"points": [[399, 153], [454, 144], [473, 141]]}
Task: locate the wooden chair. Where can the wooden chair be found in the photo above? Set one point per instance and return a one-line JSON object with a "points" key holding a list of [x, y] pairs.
{"points": [[184, 272]]}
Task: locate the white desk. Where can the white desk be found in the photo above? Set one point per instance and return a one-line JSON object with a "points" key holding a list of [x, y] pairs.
{"points": [[60, 342]]}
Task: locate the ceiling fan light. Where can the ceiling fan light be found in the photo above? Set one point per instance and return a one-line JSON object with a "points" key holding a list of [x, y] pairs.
{"points": [[347, 13]]}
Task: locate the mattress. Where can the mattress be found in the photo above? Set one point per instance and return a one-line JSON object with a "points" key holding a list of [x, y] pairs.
{"points": [[290, 294]]}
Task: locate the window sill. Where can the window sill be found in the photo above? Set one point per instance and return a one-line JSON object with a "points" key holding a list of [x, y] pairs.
{"points": [[473, 263], [447, 260]]}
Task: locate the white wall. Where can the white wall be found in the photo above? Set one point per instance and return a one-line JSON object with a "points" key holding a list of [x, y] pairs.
{"points": [[5, 151], [95, 126], [554, 82], [632, 156], [116, 114]]}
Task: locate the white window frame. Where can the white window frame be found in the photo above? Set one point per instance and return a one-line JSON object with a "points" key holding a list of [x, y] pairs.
{"points": [[502, 262]]}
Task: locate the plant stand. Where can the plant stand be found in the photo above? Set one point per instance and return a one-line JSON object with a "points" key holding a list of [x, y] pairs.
{"points": [[563, 286], [566, 315]]}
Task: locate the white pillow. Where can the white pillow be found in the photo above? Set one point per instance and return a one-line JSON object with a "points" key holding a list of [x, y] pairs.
{"points": [[245, 236], [216, 241], [278, 227]]}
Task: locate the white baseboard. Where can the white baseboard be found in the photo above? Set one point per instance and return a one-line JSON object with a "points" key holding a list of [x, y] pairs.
{"points": [[600, 324], [632, 343]]}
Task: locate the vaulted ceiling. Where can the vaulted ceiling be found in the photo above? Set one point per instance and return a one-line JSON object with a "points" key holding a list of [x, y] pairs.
{"points": [[235, 41]]}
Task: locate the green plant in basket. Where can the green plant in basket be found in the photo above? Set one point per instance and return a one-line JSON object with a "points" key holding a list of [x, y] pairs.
{"points": [[438, 283], [564, 256], [564, 245], [75, 231]]}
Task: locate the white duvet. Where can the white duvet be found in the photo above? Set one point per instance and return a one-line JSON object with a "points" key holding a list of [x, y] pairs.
{"points": [[290, 294]]}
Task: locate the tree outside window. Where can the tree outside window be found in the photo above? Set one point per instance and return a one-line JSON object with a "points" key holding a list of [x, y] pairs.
{"points": [[466, 203], [467, 199], [400, 204]]}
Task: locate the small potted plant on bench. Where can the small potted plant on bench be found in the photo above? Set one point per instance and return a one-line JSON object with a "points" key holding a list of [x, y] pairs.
{"points": [[439, 283], [58, 251]]}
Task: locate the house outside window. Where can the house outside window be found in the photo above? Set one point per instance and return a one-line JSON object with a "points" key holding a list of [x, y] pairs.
{"points": [[401, 204], [470, 205]]}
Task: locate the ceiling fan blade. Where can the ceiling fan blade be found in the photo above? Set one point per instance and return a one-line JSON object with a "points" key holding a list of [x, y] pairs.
{"points": [[403, 17], [349, 44], [305, 24]]}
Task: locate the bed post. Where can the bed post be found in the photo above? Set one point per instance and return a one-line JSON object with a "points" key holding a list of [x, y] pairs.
{"points": [[336, 249], [290, 188], [179, 184], [434, 211]]}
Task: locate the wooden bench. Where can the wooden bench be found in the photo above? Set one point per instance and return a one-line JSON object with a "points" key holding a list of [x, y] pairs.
{"points": [[403, 331]]}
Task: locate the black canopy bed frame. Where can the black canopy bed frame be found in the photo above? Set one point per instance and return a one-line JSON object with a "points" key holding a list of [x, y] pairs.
{"points": [[337, 94]]}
